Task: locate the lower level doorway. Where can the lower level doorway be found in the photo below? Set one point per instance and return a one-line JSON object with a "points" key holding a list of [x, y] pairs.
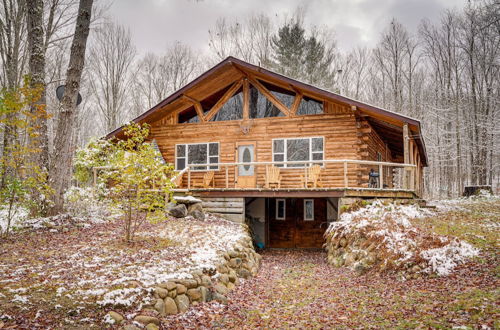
{"points": [[296, 222]]}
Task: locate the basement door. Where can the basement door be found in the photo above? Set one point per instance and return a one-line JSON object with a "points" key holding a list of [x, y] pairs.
{"points": [[296, 222]]}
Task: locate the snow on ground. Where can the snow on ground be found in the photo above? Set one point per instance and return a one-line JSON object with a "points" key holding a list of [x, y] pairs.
{"points": [[391, 224], [457, 204], [95, 266], [19, 214]]}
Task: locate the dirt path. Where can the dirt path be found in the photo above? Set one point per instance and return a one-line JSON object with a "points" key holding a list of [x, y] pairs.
{"points": [[297, 289]]}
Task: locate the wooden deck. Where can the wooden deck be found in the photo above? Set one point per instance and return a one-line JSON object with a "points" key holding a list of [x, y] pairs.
{"points": [[300, 192]]}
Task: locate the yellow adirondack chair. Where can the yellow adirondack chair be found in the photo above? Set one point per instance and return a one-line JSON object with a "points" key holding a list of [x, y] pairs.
{"points": [[208, 180], [273, 177], [313, 177]]}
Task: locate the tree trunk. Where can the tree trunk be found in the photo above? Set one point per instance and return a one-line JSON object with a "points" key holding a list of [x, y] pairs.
{"points": [[37, 75], [62, 163]]}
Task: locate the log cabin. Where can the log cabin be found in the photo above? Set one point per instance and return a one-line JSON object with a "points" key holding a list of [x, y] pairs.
{"points": [[281, 154]]}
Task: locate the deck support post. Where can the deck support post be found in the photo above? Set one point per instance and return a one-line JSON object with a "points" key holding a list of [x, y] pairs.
{"points": [[406, 148], [94, 173]]}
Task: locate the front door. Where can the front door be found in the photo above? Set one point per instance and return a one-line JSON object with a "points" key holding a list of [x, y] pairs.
{"points": [[296, 222], [246, 177]]}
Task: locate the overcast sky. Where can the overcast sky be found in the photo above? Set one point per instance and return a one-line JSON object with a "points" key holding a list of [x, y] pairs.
{"points": [[154, 24]]}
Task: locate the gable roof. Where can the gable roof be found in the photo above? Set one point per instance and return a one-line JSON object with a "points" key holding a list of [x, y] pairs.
{"points": [[232, 69]]}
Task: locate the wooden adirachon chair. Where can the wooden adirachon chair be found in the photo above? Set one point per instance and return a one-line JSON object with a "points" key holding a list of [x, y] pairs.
{"points": [[273, 177], [208, 180], [313, 177]]}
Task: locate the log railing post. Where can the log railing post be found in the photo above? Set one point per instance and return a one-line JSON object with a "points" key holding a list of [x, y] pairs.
{"points": [[227, 176], [189, 178], [346, 180], [94, 173], [306, 179], [381, 176]]}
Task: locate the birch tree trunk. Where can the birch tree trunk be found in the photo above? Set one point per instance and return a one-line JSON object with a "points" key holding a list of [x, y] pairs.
{"points": [[62, 162]]}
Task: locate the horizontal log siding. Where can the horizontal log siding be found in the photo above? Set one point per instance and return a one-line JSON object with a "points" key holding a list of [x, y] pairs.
{"points": [[339, 131]]}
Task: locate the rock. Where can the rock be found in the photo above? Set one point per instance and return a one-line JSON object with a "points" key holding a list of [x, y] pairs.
{"points": [[182, 302], [130, 327], [232, 276], [161, 292], [170, 306], [415, 269], [343, 242], [235, 262], [115, 316], [181, 289], [178, 211], [145, 319], [243, 273], [189, 283], [169, 285], [360, 268], [194, 294], [186, 200], [197, 215], [349, 259], [206, 281], [160, 307], [205, 294], [172, 293], [224, 278], [233, 254], [220, 288], [231, 286], [220, 298], [196, 211], [134, 284], [371, 258], [222, 269], [338, 262], [152, 326], [226, 256]]}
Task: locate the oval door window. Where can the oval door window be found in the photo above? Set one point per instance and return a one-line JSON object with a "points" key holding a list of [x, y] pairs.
{"points": [[247, 158]]}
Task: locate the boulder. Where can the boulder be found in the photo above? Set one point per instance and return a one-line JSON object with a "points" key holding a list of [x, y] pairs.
{"points": [[178, 211], [220, 288], [182, 302], [219, 297], [232, 276], [231, 286], [235, 262], [181, 289], [145, 319], [189, 283], [152, 326], [130, 327], [205, 294], [206, 281], [169, 285], [170, 306], [196, 211], [160, 307], [243, 273], [116, 317], [194, 294], [161, 292], [360, 268], [224, 278], [187, 200]]}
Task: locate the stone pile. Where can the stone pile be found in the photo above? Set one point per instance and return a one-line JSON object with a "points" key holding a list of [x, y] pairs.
{"points": [[177, 295], [186, 206]]}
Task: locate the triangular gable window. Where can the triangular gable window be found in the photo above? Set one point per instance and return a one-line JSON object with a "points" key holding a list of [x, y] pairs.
{"points": [[232, 109], [309, 106], [261, 107]]}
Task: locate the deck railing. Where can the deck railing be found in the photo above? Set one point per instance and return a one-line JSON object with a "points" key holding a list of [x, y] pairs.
{"points": [[408, 176]]}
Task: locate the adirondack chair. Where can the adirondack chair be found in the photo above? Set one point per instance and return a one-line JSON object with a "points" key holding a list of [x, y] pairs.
{"points": [[273, 177], [313, 177], [208, 180]]}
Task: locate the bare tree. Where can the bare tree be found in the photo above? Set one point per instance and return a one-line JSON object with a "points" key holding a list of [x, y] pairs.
{"points": [[61, 165], [111, 56]]}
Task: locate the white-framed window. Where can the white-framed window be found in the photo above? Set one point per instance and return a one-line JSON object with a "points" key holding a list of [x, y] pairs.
{"points": [[280, 209], [197, 153], [298, 149], [308, 209]]}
